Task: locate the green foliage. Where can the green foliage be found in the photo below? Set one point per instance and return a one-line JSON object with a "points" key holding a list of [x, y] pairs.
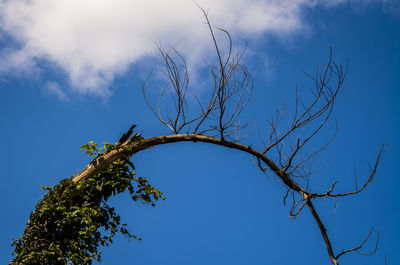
{"points": [[73, 220]]}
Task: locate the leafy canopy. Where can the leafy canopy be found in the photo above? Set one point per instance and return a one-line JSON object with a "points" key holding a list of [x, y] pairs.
{"points": [[74, 219]]}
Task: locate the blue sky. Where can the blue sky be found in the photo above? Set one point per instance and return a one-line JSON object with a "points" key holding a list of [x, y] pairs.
{"points": [[79, 78]]}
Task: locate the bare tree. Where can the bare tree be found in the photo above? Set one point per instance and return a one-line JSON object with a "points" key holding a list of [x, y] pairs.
{"points": [[218, 123], [216, 120]]}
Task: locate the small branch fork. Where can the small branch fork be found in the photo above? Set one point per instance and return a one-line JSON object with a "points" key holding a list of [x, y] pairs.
{"points": [[357, 249], [358, 190], [218, 122], [231, 91], [308, 117]]}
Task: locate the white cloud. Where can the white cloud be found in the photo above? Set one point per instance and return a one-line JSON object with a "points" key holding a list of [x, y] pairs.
{"points": [[95, 40], [391, 6], [55, 89]]}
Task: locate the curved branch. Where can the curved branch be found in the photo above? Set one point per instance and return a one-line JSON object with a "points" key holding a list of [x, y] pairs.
{"points": [[367, 182], [357, 249], [134, 145]]}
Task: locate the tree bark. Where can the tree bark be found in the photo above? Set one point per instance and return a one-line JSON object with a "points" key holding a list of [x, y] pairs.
{"points": [[133, 146]]}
